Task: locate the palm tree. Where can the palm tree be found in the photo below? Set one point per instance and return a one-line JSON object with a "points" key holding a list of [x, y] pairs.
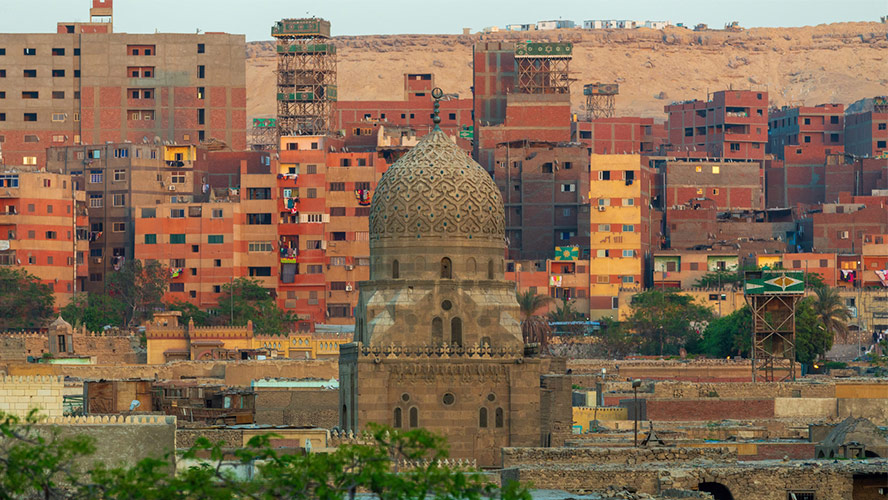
{"points": [[831, 311], [534, 327]]}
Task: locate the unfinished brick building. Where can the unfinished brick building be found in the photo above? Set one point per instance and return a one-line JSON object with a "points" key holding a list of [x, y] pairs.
{"points": [[733, 124], [623, 134], [866, 132], [86, 84]]}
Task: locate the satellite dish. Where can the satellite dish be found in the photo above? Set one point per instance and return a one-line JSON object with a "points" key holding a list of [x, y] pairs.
{"points": [[135, 404]]}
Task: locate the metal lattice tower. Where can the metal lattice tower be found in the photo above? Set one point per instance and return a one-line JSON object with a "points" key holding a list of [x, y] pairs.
{"points": [[880, 104], [772, 297], [264, 134], [600, 99], [543, 67], [306, 77]]}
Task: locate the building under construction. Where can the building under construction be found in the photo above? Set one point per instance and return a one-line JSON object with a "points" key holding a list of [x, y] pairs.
{"points": [[306, 77]]}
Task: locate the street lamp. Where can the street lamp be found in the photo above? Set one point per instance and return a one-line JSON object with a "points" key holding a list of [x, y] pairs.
{"points": [[635, 384]]}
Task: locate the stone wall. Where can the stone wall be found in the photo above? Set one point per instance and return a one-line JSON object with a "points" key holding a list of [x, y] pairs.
{"points": [[516, 457], [680, 390], [314, 408], [19, 395], [105, 348]]}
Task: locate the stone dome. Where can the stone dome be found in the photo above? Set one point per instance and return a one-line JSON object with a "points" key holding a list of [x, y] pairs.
{"points": [[436, 191]]}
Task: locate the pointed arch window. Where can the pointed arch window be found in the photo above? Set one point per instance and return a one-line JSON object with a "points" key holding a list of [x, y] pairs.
{"points": [[398, 422], [414, 417], [437, 331], [396, 269], [456, 336], [446, 268], [482, 418]]}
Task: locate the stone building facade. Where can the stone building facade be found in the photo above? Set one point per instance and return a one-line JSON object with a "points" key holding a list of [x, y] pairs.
{"points": [[438, 341]]}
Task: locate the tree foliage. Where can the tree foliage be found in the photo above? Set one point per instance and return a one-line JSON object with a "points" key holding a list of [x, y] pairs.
{"points": [[32, 465], [736, 278], [813, 338], [830, 309], [245, 299], [729, 335], [25, 302], [534, 327], [614, 340], [94, 311], [666, 321], [140, 287]]}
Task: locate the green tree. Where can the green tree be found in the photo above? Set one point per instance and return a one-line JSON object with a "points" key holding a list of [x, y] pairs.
{"points": [[831, 311], [95, 311], [392, 465], [245, 299], [666, 321], [534, 327], [25, 302], [729, 335], [613, 339], [813, 339], [191, 312], [140, 286]]}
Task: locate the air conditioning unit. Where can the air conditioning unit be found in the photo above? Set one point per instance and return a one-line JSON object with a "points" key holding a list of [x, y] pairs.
{"points": [[171, 187], [349, 267], [349, 288]]}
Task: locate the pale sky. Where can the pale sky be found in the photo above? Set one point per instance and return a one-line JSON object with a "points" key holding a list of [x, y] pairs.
{"points": [[365, 17]]}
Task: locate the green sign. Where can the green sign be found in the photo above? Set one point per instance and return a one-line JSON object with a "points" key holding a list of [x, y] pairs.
{"points": [[774, 283], [467, 133]]}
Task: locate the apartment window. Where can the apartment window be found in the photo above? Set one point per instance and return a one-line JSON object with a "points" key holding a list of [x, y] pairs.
{"points": [[29, 160], [194, 211], [119, 175], [807, 138], [260, 246], [201, 71], [30, 94], [177, 239], [362, 212], [259, 193], [59, 117], [201, 92], [58, 94], [150, 239], [195, 249], [118, 200], [259, 219], [217, 213], [628, 253], [201, 48], [96, 201], [51, 235], [604, 175], [217, 263], [337, 186], [58, 73], [30, 117], [337, 211], [118, 227], [3, 94], [628, 228], [568, 188], [149, 213], [260, 271], [628, 279], [628, 202], [178, 178], [604, 228], [337, 236], [32, 138], [201, 116], [2, 73], [882, 126], [312, 193], [311, 169], [566, 235], [30, 73], [177, 287], [2, 117], [97, 227], [314, 269], [833, 137], [735, 146], [216, 239], [96, 177]]}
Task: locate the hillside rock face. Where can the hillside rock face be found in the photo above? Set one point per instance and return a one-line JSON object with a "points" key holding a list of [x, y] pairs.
{"points": [[809, 65]]}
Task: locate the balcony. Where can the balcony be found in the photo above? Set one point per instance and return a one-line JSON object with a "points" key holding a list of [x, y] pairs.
{"points": [[9, 192], [8, 218]]}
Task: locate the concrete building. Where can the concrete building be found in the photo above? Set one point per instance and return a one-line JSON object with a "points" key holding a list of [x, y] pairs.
{"points": [[866, 132], [840, 227], [623, 134], [43, 229], [820, 126], [544, 186], [118, 179], [733, 124], [86, 84], [620, 228], [683, 268], [207, 245], [437, 232], [729, 185], [324, 203]]}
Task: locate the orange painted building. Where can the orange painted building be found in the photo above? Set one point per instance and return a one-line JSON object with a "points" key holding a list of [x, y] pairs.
{"points": [[207, 245], [43, 229], [324, 203], [874, 261]]}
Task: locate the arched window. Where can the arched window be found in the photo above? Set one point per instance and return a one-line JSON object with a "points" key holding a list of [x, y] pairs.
{"points": [[344, 420], [414, 417], [490, 269], [456, 332], [446, 269], [471, 267], [396, 269], [397, 418], [482, 418], [498, 418], [437, 331]]}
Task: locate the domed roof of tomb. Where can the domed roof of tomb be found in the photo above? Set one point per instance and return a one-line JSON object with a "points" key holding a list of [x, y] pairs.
{"points": [[60, 324], [436, 191]]}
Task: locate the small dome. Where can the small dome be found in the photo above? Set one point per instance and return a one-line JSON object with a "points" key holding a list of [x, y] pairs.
{"points": [[60, 324], [437, 191]]}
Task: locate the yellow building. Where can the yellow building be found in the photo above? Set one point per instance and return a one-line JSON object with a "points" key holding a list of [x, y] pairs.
{"points": [[620, 229]]}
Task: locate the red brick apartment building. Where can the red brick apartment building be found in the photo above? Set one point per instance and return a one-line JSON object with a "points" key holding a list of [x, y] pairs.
{"points": [[86, 84], [207, 245], [736, 185], [43, 229], [324, 199], [866, 133], [841, 226], [733, 124], [622, 134], [360, 119]]}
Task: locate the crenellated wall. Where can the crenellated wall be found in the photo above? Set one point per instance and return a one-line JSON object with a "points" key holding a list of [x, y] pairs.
{"points": [[19, 395]]}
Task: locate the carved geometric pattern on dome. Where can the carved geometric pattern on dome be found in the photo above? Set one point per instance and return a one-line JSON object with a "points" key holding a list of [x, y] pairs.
{"points": [[436, 191]]}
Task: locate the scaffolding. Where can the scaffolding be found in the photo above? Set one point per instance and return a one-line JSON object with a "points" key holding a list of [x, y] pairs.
{"points": [[600, 99], [264, 134], [306, 77], [543, 67], [772, 297]]}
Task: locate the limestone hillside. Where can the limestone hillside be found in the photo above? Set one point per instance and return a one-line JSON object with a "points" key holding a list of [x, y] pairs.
{"points": [[809, 65]]}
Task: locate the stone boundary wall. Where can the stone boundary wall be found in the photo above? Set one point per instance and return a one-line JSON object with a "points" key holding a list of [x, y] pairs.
{"points": [[710, 409], [18, 395], [514, 457], [694, 390], [112, 420]]}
